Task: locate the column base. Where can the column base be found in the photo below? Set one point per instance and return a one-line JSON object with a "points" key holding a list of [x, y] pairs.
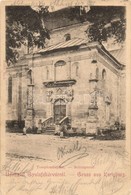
{"points": [[91, 128], [29, 120], [39, 131]]}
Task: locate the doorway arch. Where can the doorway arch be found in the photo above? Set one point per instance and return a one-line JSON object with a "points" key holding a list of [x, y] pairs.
{"points": [[59, 110]]}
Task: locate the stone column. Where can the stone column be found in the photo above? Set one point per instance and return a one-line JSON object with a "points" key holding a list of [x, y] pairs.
{"points": [[48, 107], [92, 120], [69, 97], [93, 108], [29, 121], [20, 97], [118, 99], [68, 109]]}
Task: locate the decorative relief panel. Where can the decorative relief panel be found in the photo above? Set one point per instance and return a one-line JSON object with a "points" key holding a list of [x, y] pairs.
{"points": [[93, 101], [30, 97], [108, 98], [59, 93]]}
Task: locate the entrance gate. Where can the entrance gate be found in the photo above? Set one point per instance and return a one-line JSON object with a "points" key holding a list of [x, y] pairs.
{"points": [[59, 110]]}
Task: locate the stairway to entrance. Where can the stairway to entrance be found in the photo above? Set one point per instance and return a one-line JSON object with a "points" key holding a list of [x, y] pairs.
{"points": [[48, 126]]}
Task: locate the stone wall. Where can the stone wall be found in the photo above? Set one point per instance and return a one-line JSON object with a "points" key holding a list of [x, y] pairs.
{"points": [[81, 70], [16, 110], [86, 67]]}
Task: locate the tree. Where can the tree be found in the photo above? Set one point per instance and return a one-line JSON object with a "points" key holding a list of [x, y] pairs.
{"points": [[24, 25], [106, 22]]}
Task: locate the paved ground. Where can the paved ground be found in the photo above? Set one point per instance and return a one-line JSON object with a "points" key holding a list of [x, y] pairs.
{"points": [[45, 147]]}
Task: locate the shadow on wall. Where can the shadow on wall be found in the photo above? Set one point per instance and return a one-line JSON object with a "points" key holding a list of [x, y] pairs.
{"points": [[14, 126]]}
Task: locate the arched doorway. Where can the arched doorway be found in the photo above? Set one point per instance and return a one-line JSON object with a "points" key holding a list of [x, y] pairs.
{"points": [[59, 110]]}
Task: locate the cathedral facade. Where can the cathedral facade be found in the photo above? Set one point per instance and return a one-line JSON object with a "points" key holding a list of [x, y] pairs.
{"points": [[71, 81]]}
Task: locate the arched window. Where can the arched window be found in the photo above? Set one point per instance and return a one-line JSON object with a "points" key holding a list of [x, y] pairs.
{"points": [[29, 74], [10, 90], [47, 73], [103, 74], [67, 37], [97, 73], [75, 69], [103, 79]]}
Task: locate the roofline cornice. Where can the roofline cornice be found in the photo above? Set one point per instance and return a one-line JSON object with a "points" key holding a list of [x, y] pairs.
{"points": [[93, 45]]}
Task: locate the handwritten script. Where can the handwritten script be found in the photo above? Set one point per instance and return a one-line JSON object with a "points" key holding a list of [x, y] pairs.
{"points": [[16, 167], [74, 152], [53, 3], [110, 180]]}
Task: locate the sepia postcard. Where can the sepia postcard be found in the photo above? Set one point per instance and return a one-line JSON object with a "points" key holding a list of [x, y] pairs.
{"points": [[65, 97]]}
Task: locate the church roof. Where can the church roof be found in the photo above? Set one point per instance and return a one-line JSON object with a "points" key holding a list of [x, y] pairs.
{"points": [[65, 44], [119, 54], [114, 56]]}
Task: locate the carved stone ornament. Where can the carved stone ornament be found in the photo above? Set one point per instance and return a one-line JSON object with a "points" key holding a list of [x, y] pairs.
{"points": [[93, 101], [66, 94], [108, 100]]}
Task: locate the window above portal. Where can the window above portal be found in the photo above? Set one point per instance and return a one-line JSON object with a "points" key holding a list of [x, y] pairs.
{"points": [[60, 71], [60, 63]]}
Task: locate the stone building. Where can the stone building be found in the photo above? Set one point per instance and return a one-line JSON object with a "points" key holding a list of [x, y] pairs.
{"points": [[69, 81]]}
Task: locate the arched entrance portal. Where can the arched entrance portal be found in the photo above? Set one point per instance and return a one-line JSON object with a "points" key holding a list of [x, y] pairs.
{"points": [[59, 110]]}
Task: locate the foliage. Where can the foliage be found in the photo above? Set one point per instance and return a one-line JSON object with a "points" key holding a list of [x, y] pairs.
{"points": [[24, 26], [107, 22]]}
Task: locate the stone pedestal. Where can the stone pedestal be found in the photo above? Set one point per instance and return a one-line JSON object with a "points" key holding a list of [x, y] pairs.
{"points": [[57, 129], [92, 121], [29, 121], [92, 113], [39, 130], [91, 128]]}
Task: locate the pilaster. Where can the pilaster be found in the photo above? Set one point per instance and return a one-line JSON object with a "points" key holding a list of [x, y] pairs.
{"points": [[29, 121]]}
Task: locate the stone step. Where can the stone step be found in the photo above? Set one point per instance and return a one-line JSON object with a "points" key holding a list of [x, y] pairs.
{"points": [[50, 128], [49, 132]]}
